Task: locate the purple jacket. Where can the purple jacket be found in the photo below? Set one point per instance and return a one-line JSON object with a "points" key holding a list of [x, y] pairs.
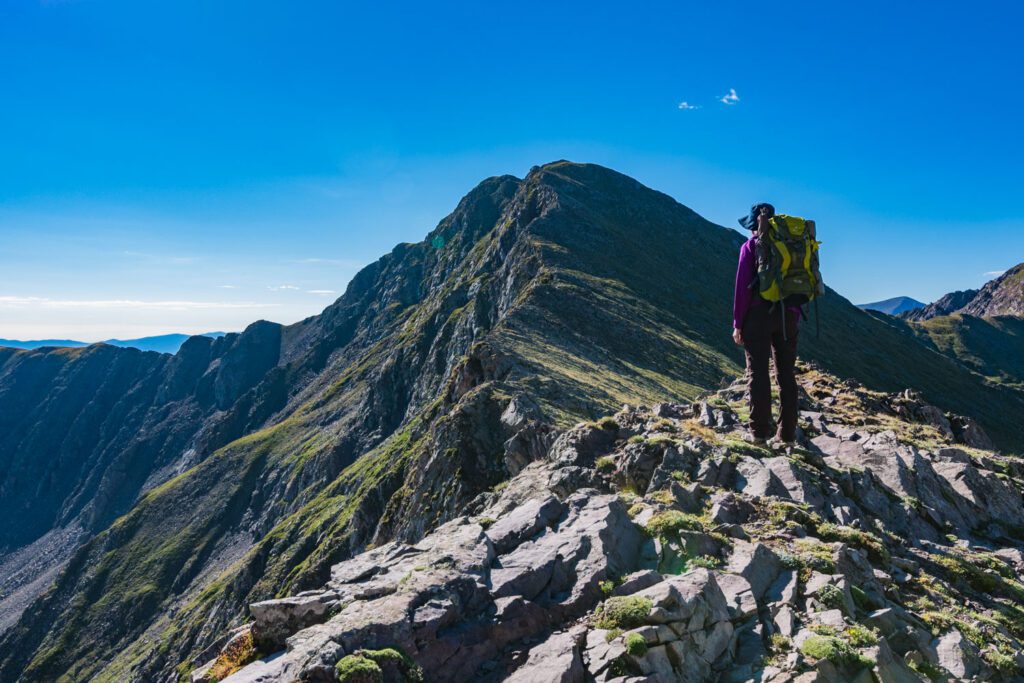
{"points": [[745, 297]]}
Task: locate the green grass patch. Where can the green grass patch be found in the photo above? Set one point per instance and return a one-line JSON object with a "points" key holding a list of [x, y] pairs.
{"points": [[622, 612]]}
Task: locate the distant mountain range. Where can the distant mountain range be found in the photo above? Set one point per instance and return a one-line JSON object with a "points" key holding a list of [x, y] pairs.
{"points": [[164, 343], [893, 306]]}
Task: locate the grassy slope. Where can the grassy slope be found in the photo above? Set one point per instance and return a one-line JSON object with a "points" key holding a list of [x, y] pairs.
{"points": [[993, 347]]}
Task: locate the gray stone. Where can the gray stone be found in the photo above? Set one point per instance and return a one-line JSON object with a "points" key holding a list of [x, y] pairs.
{"points": [[757, 563], [784, 588], [556, 660], [275, 620], [523, 522], [738, 595], [637, 581], [957, 655], [785, 621]]}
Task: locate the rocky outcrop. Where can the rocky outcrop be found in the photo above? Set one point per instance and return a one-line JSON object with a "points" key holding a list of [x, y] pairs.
{"points": [[569, 573]]}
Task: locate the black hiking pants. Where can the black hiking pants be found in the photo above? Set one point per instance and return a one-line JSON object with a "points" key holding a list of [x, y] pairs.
{"points": [[763, 340]]}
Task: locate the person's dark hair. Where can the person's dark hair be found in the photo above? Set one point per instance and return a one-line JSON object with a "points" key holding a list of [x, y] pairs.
{"points": [[750, 221]]}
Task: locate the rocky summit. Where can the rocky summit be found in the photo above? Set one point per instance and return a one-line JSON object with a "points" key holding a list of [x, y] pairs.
{"points": [[656, 545], [401, 486]]}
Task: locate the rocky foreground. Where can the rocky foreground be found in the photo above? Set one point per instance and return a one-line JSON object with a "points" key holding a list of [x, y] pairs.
{"points": [[656, 545]]}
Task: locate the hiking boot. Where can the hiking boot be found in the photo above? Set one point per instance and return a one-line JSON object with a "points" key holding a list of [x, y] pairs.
{"points": [[777, 443], [755, 440]]}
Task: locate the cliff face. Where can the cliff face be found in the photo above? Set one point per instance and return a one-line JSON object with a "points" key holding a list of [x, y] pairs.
{"points": [[84, 431], [445, 368]]}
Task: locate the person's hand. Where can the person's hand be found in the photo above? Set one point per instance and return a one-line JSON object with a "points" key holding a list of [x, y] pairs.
{"points": [[737, 336]]}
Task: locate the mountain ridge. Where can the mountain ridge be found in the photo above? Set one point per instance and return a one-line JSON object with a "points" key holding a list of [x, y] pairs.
{"points": [[163, 343], [445, 367], [1001, 296]]}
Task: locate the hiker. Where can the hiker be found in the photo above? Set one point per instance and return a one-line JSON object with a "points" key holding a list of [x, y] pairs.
{"points": [[766, 324]]}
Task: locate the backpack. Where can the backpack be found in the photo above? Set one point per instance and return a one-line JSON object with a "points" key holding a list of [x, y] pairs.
{"points": [[787, 261]]}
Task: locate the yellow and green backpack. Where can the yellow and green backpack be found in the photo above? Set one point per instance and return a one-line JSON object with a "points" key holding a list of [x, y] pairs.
{"points": [[787, 261]]}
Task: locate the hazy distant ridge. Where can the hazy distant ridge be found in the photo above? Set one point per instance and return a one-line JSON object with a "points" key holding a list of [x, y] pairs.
{"points": [[164, 343]]}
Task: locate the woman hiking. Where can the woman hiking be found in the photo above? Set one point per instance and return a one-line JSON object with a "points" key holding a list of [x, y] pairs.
{"points": [[765, 330]]}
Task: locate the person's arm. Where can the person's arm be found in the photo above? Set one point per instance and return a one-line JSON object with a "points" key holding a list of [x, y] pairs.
{"points": [[743, 294]]}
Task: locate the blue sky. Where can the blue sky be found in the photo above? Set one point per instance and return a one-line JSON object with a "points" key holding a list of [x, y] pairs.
{"points": [[194, 165]]}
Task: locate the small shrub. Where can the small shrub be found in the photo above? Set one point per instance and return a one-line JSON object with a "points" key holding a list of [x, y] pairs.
{"points": [[705, 561], [680, 476], [664, 497], [861, 636], [606, 587], [962, 569], [791, 561], [608, 423], [605, 463], [486, 522], [856, 538], [835, 650], [860, 598], [612, 634], [781, 643], [937, 621], [635, 644], [394, 659], [1000, 661], [672, 522], [831, 596], [237, 654], [627, 611], [636, 438], [358, 669]]}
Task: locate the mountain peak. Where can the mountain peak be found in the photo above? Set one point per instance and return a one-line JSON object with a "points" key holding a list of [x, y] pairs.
{"points": [[257, 462]]}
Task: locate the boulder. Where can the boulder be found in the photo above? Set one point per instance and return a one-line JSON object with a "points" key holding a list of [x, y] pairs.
{"points": [[275, 620], [757, 563], [957, 655], [556, 660]]}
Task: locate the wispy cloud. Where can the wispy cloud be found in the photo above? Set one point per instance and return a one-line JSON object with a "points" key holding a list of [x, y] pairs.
{"points": [[993, 273], [322, 292], [279, 288], [134, 304], [228, 286], [730, 98], [686, 105]]}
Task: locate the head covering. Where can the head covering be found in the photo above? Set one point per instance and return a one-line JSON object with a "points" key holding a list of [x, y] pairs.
{"points": [[750, 221]]}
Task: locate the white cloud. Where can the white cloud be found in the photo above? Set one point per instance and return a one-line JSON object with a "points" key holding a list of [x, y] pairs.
{"points": [[686, 105], [730, 98], [279, 288], [320, 291], [134, 304], [993, 273], [227, 286]]}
